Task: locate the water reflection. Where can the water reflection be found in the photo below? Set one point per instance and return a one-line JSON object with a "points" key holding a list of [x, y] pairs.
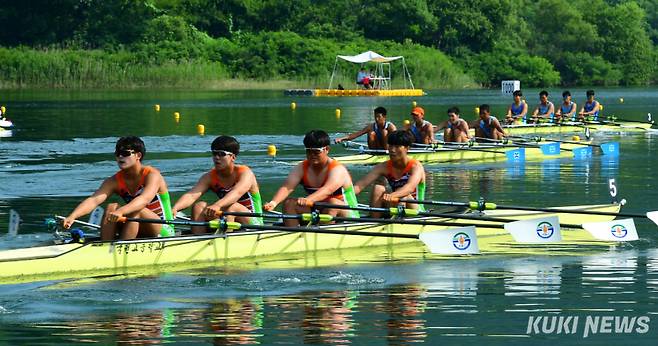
{"points": [[466, 298]]}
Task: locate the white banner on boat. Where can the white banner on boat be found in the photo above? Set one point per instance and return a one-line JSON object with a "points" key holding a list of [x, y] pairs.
{"points": [[533, 231], [452, 241], [96, 216], [615, 230], [653, 216], [14, 222]]}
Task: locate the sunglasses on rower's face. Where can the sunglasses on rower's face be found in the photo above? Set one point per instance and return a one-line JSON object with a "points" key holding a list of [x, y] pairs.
{"points": [[221, 153], [316, 151], [124, 152]]}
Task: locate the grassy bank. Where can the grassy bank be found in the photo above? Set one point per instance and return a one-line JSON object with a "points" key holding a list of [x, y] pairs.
{"points": [[262, 61]]}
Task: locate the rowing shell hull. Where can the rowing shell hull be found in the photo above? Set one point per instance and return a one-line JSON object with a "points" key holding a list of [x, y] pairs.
{"points": [[531, 129], [166, 254], [465, 154]]}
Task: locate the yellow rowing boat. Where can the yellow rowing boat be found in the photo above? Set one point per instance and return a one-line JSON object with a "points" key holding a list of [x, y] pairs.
{"points": [[96, 258], [481, 153]]}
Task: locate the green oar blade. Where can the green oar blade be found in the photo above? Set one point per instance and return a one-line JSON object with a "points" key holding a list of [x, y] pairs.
{"points": [[451, 241], [615, 230], [535, 231]]}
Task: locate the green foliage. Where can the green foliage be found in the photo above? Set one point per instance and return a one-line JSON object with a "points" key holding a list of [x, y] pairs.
{"points": [[599, 42], [491, 68], [586, 69]]}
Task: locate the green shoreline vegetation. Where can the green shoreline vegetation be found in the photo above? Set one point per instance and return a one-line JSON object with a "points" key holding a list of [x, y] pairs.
{"points": [[273, 44]]}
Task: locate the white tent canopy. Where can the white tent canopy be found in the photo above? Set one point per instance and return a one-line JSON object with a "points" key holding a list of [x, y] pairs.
{"points": [[368, 57], [382, 73]]}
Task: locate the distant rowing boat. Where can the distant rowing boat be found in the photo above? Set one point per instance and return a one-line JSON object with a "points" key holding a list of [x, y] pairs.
{"points": [[571, 127], [478, 153], [96, 258]]}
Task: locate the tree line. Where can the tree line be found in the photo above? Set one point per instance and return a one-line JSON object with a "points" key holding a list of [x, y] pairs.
{"points": [[455, 43]]}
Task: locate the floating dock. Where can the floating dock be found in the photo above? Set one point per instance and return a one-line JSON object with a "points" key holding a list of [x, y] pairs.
{"points": [[353, 92]]}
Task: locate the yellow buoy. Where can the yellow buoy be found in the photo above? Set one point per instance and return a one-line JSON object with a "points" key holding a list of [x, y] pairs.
{"points": [[575, 138], [476, 110], [621, 100], [177, 116], [200, 129], [293, 105], [337, 112], [3, 109], [600, 107], [413, 103], [157, 108], [271, 150]]}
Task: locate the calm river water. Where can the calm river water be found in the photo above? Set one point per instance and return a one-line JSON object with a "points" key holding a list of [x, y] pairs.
{"points": [[63, 147]]}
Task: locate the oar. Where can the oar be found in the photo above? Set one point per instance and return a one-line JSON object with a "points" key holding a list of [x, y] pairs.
{"points": [[404, 212], [81, 223], [434, 240], [614, 118], [652, 215], [546, 229]]}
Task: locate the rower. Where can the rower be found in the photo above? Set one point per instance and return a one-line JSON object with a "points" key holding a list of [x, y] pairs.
{"points": [[545, 109], [518, 110], [405, 176], [235, 186], [567, 110], [324, 179], [377, 131], [422, 129], [590, 110], [142, 188], [488, 126], [455, 128]]}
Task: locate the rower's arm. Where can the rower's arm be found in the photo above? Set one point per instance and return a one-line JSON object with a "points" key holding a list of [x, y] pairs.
{"points": [[430, 134], [354, 135], [391, 127], [416, 176], [294, 178], [151, 187], [369, 178], [442, 125], [535, 112], [194, 194], [242, 186], [496, 125], [99, 196]]}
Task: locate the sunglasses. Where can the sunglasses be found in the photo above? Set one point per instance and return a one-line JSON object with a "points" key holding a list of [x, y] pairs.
{"points": [[124, 152], [221, 153], [317, 151]]}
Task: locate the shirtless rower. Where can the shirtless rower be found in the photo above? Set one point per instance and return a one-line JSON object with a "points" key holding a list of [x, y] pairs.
{"points": [[143, 189], [235, 186], [377, 131], [323, 178], [405, 176]]}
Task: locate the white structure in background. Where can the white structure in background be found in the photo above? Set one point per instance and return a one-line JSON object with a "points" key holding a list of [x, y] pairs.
{"points": [[382, 73], [507, 87]]}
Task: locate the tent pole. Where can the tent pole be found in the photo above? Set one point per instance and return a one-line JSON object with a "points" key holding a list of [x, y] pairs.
{"points": [[333, 73]]}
